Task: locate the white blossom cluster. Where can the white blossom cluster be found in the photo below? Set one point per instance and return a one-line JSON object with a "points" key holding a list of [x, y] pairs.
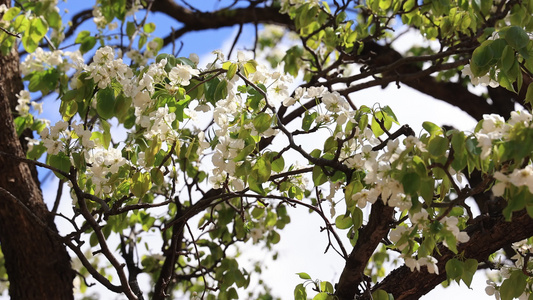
{"points": [[485, 80], [24, 102], [59, 138], [337, 108], [521, 248], [41, 60], [429, 262], [106, 68], [421, 222], [495, 128], [377, 171], [102, 163]]}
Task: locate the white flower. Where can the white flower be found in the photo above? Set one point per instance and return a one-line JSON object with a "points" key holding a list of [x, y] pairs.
{"points": [[396, 234], [412, 263], [182, 74], [485, 143], [193, 115], [314, 92], [194, 58], [431, 264], [53, 147], [522, 177], [104, 55], [519, 117], [241, 57], [219, 54], [37, 106], [365, 196], [237, 184], [334, 102], [256, 234], [419, 217], [491, 290], [484, 80], [24, 99]]}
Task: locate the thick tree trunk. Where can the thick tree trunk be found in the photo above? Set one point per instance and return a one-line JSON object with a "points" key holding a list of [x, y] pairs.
{"points": [[36, 260]]}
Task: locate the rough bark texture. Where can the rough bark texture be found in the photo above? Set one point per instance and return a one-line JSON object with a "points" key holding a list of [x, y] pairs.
{"points": [[36, 261]]}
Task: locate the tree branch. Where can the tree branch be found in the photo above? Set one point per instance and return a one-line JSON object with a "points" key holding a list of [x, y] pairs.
{"points": [[381, 216]]}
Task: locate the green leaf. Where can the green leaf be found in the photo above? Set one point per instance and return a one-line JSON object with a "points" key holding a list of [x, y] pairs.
{"points": [[438, 146], [481, 58], [105, 103], [249, 67], [232, 70], [380, 295], [513, 286], [59, 161], [11, 13], [432, 128], [321, 296], [142, 41], [458, 142], [149, 27], [508, 58], [54, 19], [130, 30], [278, 165], [157, 176], [470, 268], [82, 36], [516, 37], [21, 23], [357, 217], [343, 222], [262, 122], [529, 94], [256, 186], [261, 170], [303, 275], [454, 268], [319, 177], [68, 109], [411, 182], [28, 43], [300, 292], [221, 90], [308, 120], [244, 152], [38, 29], [141, 184], [390, 113], [326, 286], [376, 128], [93, 240]]}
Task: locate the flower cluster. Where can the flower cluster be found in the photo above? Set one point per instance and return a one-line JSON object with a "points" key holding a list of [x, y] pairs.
{"points": [[428, 261], [521, 248], [41, 60], [24, 102], [106, 68], [102, 163], [485, 80]]}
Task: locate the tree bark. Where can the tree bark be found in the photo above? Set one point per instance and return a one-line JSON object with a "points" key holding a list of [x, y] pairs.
{"points": [[36, 260]]}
